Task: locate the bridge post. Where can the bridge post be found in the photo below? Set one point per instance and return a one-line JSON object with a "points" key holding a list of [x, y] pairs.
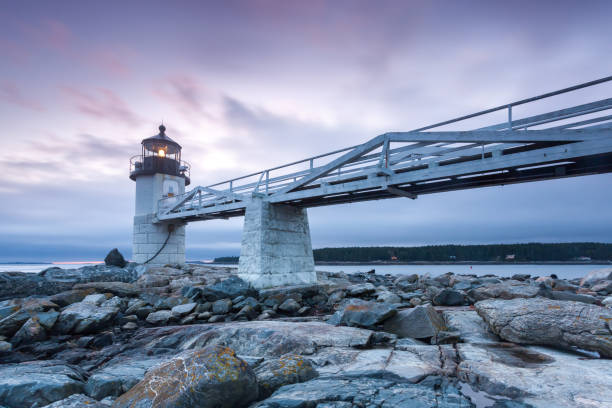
{"points": [[276, 248]]}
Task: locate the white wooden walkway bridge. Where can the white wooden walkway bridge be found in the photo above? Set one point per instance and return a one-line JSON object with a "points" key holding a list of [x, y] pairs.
{"points": [[564, 141], [572, 141]]}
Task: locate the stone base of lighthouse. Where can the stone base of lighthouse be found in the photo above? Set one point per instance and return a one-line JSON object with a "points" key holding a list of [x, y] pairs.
{"points": [[276, 248], [149, 238]]}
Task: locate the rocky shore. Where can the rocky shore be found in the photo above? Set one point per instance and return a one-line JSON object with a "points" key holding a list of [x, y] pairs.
{"points": [[199, 336]]}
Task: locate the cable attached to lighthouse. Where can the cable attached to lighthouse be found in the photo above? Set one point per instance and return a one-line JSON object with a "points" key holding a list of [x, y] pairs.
{"points": [[170, 231]]}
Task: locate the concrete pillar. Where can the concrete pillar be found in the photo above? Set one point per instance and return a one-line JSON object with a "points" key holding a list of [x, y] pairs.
{"points": [[149, 236], [276, 248]]}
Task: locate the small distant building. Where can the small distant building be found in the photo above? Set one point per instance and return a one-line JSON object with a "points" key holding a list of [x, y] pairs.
{"points": [[452, 257], [510, 257], [394, 258], [584, 258]]}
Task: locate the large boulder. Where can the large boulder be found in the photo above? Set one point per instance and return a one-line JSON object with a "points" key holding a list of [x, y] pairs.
{"points": [[362, 313], [603, 287], [11, 323], [69, 297], [121, 289], [596, 276], [19, 311], [269, 339], [212, 377], [55, 280], [38, 383], [289, 369], [114, 258], [449, 297], [550, 322], [84, 317], [159, 317], [419, 323], [229, 288], [510, 289], [31, 331]]}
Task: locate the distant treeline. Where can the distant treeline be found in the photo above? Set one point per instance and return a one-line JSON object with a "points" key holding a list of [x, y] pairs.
{"points": [[227, 259], [531, 252]]}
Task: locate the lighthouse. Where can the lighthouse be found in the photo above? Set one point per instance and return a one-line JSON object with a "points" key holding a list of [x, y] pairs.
{"points": [[161, 177]]}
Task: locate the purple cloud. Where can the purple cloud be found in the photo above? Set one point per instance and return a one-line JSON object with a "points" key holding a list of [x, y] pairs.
{"points": [[111, 60], [104, 104], [10, 93], [49, 33]]}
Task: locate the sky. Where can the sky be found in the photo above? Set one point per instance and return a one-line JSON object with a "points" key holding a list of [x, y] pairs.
{"points": [[248, 85]]}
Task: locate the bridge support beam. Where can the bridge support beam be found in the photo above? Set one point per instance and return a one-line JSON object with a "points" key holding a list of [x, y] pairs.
{"points": [[276, 248], [149, 239]]}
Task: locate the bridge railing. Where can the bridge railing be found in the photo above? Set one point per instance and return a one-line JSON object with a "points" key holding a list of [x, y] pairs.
{"points": [[392, 152]]}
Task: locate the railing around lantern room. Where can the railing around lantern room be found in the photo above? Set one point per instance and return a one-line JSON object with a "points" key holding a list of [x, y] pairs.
{"points": [[141, 165]]}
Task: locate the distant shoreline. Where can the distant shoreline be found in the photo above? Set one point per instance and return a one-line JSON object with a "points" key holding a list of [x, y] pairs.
{"points": [[374, 263]]}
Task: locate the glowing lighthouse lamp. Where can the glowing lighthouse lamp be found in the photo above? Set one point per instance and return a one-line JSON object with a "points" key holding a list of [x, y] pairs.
{"points": [[159, 173]]}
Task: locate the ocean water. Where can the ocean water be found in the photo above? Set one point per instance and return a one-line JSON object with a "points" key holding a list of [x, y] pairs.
{"points": [[561, 270], [35, 268]]}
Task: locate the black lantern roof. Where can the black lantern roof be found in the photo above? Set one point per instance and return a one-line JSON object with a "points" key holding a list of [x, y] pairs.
{"points": [[161, 141]]}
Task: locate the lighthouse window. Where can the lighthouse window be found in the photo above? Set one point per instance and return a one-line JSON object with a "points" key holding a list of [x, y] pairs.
{"points": [[161, 153], [170, 188]]}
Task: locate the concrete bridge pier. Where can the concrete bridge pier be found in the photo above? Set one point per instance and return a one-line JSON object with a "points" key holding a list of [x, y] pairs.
{"points": [[276, 248]]}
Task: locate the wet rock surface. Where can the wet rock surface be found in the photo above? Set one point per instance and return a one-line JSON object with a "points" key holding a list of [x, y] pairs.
{"points": [[356, 392], [536, 375], [413, 340], [38, 383], [550, 322]]}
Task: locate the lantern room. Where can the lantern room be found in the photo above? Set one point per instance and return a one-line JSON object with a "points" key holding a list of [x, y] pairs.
{"points": [[160, 154]]}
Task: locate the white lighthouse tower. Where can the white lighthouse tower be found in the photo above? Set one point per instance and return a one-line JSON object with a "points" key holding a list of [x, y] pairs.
{"points": [[159, 174]]}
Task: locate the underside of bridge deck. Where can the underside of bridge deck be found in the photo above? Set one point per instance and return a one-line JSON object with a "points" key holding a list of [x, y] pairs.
{"points": [[567, 142]]}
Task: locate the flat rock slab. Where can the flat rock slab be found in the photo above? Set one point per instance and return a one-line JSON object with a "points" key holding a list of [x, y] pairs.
{"points": [[119, 375], [38, 383], [411, 364], [269, 339], [537, 375], [471, 327], [121, 289], [275, 338], [550, 322], [506, 290], [84, 317], [362, 392]]}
